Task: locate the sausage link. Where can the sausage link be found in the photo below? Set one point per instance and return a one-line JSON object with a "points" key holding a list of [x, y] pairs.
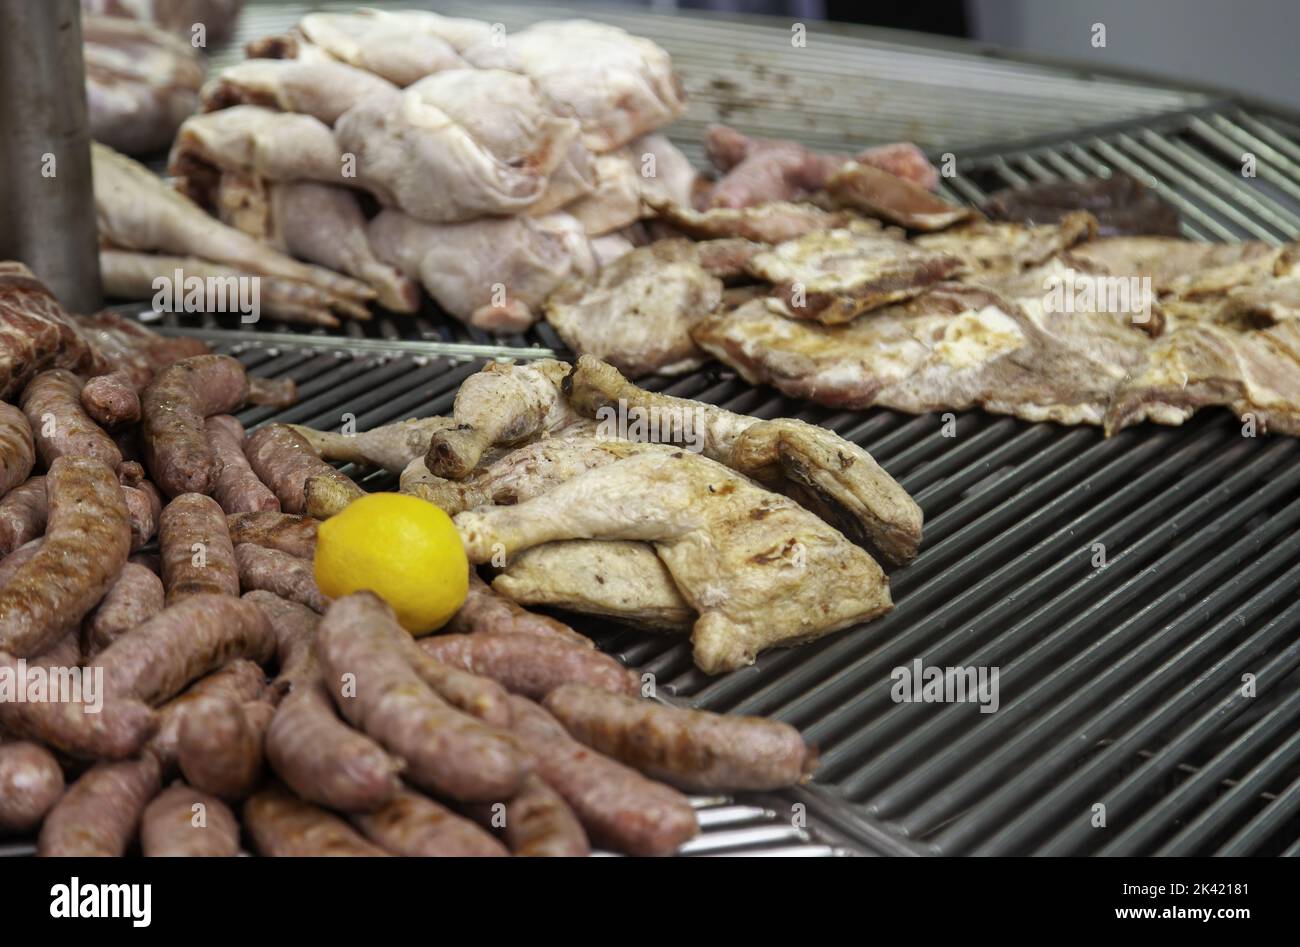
{"points": [[486, 610], [295, 638], [619, 807], [284, 461], [237, 489], [111, 400], [183, 822], [99, 813], [197, 555], [417, 827], [479, 697], [143, 508], [31, 782], [529, 665], [240, 680], [23, 512], [87, 540], [286, 532], [219, 744], [134, 598], [447, 752], [690, 749], [174, 406], [540, 824], [272, 392], [182, 643], [274, 571], [284, 825], [60, 425], [17, 450]]}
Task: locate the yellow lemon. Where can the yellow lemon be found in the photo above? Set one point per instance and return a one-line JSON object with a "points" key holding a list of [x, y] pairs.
{"points": [[401, 548]]}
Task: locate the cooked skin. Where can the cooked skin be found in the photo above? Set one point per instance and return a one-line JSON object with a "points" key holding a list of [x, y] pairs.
{"points": [[60, 425], [619, 808], [182, 822], [540, 824], [834, 276], [182, 643], [487, 611], [501, 405], [197, 555], [691, 749], [826, 473], [988, 249], [613, 579], [401, 46], [98, 815], [282, 825], [31, 782], [728, 258], [17, 450], [865, 188], [219, 744], [23, 513], [390, 447], [174, 407], [278, 146], [272, 392], [286, 532], [329, 495], [417, 827], [718, 534], [770, 222], [275, 571], [530, 665], [447, 752], [323, 90], [637, 312], [135, 596], [284, 461], [111, 400], [237, 488], [87, 539]]}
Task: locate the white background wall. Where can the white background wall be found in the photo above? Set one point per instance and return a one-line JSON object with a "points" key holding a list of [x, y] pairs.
{"points": [[1249, 45]]}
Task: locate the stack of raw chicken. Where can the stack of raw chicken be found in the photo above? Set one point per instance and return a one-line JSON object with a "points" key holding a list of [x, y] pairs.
{"points": [[407, 147]]}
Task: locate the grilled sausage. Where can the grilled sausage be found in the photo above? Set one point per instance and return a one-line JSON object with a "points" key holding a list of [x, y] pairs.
{"points": [[540, 824], [417, 827], [323, 759], [174, 406], [479, 697], [286, 532], [272, 392], [239, 680], [143, 508], [295, 638], [488, 611], [111, 400], [285, 575], [182, 643], [690, 749], [87, 540], [528, 665], [619, 807], [237, 489], [284, 461], [23, 513], [17, 450], [60, 425], [99, 813], [219, 744], [183, 822], [133, 598], [38, 333], [31, 782], [197, 555], [446, 751], [284, 825]]}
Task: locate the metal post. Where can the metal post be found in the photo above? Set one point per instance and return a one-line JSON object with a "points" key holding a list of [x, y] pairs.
{"points": [[47, 203]]}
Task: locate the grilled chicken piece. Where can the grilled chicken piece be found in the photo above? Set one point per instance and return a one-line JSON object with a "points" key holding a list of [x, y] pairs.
{"points": [[137, 211], [814, 465], [646, 171], [990, 250], [458, 145], [759, 171], [637, 312], [323, 90], [392, 447], [492, 273], [141, 83], [1179, 265], [833, 276], [860, 186], [772, 222], [623, 580], [501, 405], [620, 86], [760, 570], [728, 258], [131, 275]]}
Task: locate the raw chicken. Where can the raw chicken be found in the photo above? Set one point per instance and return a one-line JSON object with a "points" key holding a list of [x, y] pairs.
{"points": [[401, 46], [323, 90]]}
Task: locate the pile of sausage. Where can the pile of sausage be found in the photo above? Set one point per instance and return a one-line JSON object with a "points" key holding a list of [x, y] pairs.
{"points": [[241, 709]]}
